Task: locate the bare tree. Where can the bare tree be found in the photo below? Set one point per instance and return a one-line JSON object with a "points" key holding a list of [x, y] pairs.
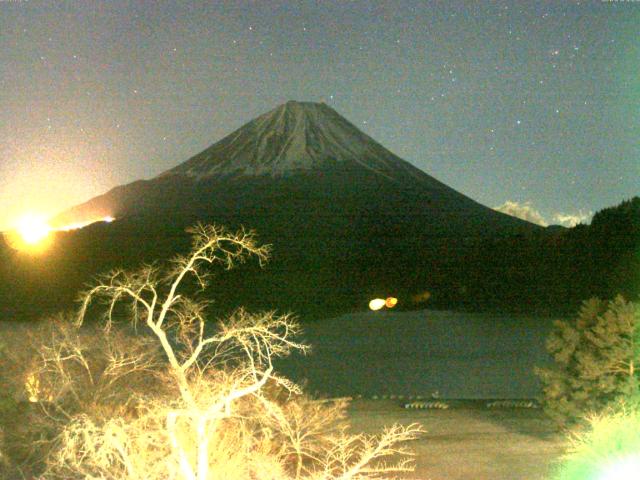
{"points": [[204, 412]]}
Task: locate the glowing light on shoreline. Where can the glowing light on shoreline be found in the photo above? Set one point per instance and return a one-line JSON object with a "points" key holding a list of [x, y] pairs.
{"points": [[376, 304], [380, 303]]}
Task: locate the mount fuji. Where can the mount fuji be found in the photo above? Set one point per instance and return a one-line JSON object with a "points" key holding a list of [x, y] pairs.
{"points": [[301, 153], [347, 218]]}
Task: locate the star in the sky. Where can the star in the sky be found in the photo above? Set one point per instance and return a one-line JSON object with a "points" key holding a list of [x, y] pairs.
{"points": [[493, 75]]}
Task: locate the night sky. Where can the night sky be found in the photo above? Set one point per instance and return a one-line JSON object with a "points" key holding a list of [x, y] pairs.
{"points": [[534, 106]]}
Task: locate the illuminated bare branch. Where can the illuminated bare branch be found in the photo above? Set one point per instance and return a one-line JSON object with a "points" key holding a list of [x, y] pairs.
{"points": [[201, 397]]}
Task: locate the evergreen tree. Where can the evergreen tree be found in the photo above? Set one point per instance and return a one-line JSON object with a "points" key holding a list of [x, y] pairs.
{"points": [[596, 360]]}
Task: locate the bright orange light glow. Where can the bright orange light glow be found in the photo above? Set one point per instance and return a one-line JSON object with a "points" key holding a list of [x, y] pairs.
{"points": [[391, 302], [31, 233], [376, 304], [33, 229]]}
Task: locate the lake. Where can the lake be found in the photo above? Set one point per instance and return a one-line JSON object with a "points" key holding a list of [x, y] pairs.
{"points": [[449, 354]]}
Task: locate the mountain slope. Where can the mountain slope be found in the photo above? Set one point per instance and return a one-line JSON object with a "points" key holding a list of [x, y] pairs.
{"points": [[301, 146]]}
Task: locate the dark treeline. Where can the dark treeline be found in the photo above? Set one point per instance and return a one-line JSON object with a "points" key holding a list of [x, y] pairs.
{"points": [[554, 270], [544, 271]]}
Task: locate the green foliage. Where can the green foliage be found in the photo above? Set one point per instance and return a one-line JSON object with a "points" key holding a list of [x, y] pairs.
{"points": [[608, 449], [596, 360]]}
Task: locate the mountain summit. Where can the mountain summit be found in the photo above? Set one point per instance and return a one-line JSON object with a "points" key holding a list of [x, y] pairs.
{"points": [[293, 137]]}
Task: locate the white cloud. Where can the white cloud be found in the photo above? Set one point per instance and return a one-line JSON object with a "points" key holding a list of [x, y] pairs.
{"points": [[571, 220], [527, 212], [522, 210]]}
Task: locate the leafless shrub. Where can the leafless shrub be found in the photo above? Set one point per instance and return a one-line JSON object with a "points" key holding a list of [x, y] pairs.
{"points": [[179, 400]]}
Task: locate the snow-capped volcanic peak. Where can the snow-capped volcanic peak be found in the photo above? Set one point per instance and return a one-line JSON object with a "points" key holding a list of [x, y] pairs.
{"points": [[292, 137]]}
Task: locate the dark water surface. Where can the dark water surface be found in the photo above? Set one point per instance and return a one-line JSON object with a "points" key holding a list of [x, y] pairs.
{"points": [[454, 355]]}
